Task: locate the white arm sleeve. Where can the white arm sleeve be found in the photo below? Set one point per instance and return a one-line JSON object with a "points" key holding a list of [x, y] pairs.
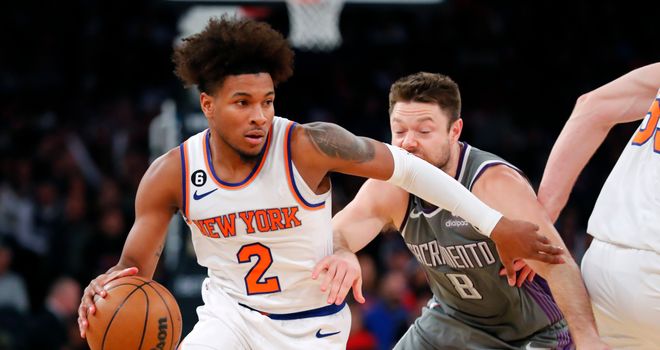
{"points": [[433, 185]]}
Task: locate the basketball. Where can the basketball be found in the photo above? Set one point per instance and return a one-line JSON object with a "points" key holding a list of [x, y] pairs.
{"points": [[137, 313]]}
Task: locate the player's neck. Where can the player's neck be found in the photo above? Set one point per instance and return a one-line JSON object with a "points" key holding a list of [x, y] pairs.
{"points": [[454, 156], [229, 164]]}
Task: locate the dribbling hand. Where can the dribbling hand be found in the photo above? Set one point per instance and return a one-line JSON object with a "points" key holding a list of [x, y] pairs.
{"points": [[94, 288]]}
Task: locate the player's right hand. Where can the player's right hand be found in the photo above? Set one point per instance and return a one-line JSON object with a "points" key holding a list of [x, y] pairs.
{"points": [[94, 288], [517, 239]]}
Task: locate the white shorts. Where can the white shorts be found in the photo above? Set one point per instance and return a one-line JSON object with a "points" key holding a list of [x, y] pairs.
{"points": [[624, 286], [224, 324]]}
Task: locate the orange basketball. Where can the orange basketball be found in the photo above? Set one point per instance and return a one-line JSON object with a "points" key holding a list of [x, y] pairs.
{"points": [[137, 313]]}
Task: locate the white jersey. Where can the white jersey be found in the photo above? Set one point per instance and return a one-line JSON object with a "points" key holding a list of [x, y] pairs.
{"points": [[627, 211], [259, 238]]}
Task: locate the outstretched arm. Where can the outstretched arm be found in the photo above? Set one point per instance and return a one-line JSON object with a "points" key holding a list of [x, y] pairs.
{"points": [[337, 150], [623, 100], [508, 191], [319, 148]]}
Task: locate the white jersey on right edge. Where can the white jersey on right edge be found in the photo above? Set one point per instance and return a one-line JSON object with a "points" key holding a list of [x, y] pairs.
{"points": [[627, 211]]}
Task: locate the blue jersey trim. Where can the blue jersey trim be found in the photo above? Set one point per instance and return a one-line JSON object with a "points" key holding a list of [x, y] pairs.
{"points": [[184, 180], [290, 170], [322, 311], [249, 177]]}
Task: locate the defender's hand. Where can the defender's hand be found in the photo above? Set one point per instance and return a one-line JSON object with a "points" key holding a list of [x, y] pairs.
{"points": [[516, 239], [96, 287], [342, 271], [526, 272]]}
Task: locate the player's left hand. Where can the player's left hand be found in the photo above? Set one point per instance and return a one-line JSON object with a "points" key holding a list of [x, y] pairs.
{"points": [[523, 272], [342, 271]]}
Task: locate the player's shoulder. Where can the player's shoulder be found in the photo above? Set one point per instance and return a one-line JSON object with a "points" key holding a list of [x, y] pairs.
{"points": [[166, 168], [322, 133], [310, 140], [498, 177], [161, 184]]}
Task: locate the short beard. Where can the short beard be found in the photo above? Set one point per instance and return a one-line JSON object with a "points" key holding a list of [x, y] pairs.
{"points": [[246, 157], [443, 162], [249, 158]]}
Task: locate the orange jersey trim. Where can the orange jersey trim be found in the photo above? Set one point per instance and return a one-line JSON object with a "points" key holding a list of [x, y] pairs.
{"points": [[289, 173], [208, 160], [185, 190]]}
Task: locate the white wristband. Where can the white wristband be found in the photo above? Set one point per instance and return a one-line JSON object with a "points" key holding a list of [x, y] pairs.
{"points": [[433, 185]]}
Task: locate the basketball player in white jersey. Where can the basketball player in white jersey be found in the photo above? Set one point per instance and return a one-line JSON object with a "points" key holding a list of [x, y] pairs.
{"points": [[621, 268], [255, 192]]}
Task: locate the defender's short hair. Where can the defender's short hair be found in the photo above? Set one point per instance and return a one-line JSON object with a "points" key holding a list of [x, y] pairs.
{"points": [[428, 88]]}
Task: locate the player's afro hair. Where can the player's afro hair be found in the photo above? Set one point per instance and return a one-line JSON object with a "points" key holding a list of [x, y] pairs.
{"points": [[230, 46]]}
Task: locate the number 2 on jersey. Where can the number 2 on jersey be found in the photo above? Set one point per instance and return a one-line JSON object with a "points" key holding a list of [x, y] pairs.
{"points": [[253, 283], [650, 128]]}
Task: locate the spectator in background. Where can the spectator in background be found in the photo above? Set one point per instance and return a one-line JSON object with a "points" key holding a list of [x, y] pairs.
{"points": [[388, 319], [50, 328], [360, 338], [14, 301], [369, 278], [13, 294], [104, 249]]}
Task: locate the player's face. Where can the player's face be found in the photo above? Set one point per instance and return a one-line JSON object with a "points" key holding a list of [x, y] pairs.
{"points": [[422, 129], [241, 112]]}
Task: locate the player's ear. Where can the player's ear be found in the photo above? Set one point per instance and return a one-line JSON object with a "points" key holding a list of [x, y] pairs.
{"points": [[207, 105], [455, 129]]}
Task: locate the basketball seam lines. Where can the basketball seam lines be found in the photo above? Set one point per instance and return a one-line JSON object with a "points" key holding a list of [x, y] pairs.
{"points": [[119, 308], [146, 316], [168, 313]]}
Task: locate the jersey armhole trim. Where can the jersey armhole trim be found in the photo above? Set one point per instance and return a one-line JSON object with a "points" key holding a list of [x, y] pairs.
{"points": [[408, 209], [488, 164], [185, 189], [288, 163]]}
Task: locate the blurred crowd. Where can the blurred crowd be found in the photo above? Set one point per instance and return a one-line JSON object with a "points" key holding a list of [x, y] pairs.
{"points": [[81, 82]]}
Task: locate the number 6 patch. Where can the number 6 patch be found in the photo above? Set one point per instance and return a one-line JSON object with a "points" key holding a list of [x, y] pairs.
{"points": [[198, 178]]}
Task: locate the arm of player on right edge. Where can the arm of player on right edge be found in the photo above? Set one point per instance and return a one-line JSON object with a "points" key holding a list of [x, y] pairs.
{"points": [[155, 203], [508, 191], [623, 100]]}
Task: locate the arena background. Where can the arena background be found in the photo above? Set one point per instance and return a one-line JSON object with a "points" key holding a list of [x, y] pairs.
{"points": [[88, 99]]}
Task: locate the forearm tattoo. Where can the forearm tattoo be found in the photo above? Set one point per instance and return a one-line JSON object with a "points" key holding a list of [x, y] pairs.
{"points": [[336, 142]]}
